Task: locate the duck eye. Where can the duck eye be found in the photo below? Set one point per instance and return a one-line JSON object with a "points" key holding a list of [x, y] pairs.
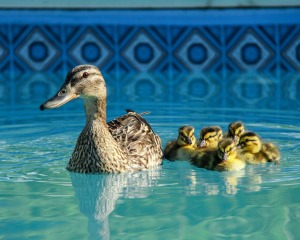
{"points": [[85, 74], [63, 91]]}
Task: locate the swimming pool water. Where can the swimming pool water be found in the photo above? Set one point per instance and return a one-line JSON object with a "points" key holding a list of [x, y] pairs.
{"points": [[40, 199]]}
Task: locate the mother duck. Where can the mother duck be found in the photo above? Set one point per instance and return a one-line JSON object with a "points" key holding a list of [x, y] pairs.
{"points": [[124, 144]]}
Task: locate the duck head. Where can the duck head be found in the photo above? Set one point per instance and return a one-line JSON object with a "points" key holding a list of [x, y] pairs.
{"points": [[186, 136], [250, 142], [226, 149], [235, 130], [84, 81], [210, 136]]}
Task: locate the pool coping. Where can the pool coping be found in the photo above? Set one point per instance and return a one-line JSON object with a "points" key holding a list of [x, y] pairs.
{"points": [[154, 17]]}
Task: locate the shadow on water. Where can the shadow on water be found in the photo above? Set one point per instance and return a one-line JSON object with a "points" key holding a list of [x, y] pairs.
{"points": [[98, 195]]}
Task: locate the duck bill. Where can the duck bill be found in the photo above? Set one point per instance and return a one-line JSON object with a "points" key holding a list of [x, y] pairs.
{"points": [[225, 157], [57, 101], [236, 139], [188, 141], [202, 143]]}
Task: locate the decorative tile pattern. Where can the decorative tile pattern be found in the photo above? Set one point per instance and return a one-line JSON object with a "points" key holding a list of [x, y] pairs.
{"points": [[291, 47], [196, 52], [189, 56], [142, 51], [251, 88], [90, 47], [37, 51], [143, 87], [4, 47], [125, 48], [250, 52]]}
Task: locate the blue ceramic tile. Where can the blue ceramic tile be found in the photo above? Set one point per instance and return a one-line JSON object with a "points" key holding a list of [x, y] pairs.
{"points": [[290, 47], [37, 48], [160, 54], [249, 49], [4, 48]]}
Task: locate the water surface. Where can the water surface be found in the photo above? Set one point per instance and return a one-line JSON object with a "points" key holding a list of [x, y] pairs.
{"points": [[39, 199]]}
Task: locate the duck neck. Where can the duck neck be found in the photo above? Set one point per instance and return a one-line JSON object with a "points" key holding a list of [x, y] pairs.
{"points": [[96, 144], [95, 109]]}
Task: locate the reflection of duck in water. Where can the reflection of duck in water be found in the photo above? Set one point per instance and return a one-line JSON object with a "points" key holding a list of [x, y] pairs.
{"points": [[98, 194], [125, 144]]}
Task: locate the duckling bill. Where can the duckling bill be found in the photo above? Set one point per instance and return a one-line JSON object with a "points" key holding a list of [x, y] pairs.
{"points": [[125, 144]]}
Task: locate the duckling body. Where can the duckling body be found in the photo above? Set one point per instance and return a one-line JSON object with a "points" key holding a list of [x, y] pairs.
{"points": [[183, 147], [254, 151], [209, 137], [223, 158], [127, 143], [235, 130]]}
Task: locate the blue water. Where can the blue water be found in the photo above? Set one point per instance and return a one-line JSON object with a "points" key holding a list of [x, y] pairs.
{"points": [[39, 199]]}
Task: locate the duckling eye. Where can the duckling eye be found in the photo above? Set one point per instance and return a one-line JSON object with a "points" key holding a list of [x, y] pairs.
{"points": [[85, 74]]}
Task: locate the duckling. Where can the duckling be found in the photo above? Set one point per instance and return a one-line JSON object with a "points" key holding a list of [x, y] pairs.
{"points": [[125, 144], [235, 130], [223, 158], [183, 146], [254, 151], [210, 137]]}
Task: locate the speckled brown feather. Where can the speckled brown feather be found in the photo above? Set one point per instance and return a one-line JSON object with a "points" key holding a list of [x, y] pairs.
{"points": [[138, 140], [124, 144]]}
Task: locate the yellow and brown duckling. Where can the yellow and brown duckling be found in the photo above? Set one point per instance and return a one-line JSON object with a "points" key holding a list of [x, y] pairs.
{"points": [[183, 146], [223, 158], [124, 144], [210, 137], [254, 151], [235, 130]]}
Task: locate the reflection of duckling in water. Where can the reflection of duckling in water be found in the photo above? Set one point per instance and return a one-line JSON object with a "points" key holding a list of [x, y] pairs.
{"points": [[253, 151], [235, 130], [183, 146], [209, 137], [224, 158]]}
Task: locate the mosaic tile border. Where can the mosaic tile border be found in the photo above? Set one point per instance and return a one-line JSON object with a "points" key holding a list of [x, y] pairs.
{"points": [[166, 56], [56, 41]]}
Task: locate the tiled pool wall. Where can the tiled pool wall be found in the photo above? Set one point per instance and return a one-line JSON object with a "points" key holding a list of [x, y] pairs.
{"points": [[152, 52]]}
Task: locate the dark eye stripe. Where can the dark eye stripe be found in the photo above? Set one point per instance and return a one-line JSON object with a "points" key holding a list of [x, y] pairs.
{"points": [[76, 80], [230, 149], [248, 140], [210, 137]]}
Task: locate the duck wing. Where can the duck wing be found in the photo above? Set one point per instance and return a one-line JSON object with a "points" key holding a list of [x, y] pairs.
{"points": [[137, 138]]}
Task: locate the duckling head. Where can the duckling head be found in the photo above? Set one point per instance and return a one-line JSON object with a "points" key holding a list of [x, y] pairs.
{"points": [[210, 136], [235, 130], [250, 142], [226, 149], [84, 81], [186, 136]]}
